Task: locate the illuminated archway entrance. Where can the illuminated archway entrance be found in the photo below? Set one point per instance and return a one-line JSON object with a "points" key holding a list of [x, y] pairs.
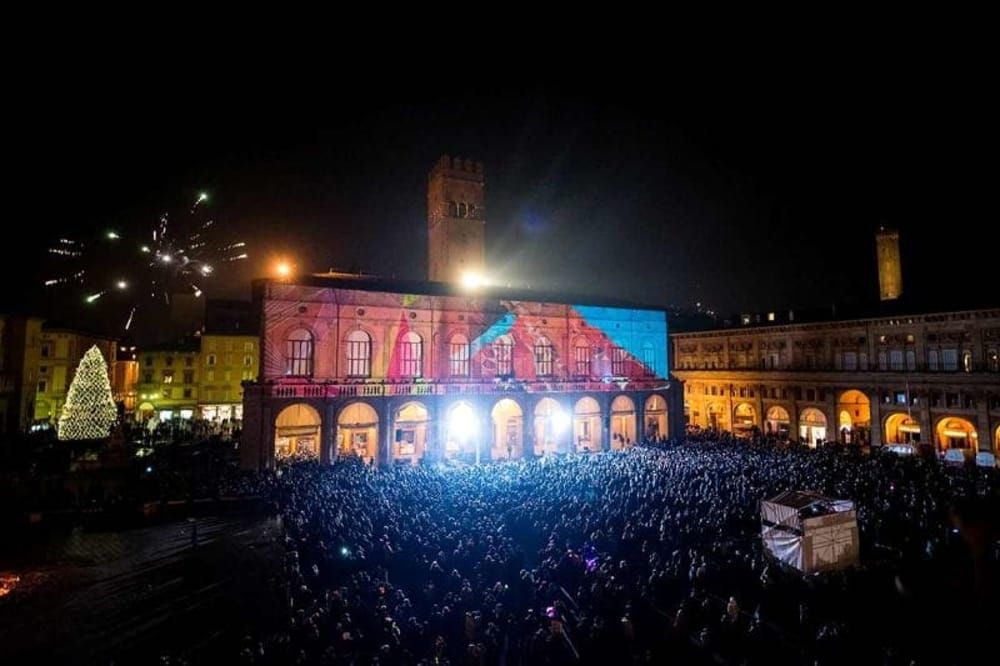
{"points": [[622, 422], [744, 419], [410, 437], [508, 430], [713, 417], [587, 425], [297, 432], [812, 426], [854, 418], [145, 411], [463, 438], [778, 422], [901, 429], [956, 433], [996, 441], [357, 431], [551, 424], [656, 417]]}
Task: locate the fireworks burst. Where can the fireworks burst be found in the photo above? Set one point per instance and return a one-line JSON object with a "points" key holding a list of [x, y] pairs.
{"points": [[166, 260]]}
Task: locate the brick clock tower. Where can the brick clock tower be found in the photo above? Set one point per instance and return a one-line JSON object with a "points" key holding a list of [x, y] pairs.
{"points": [[456, 220]]}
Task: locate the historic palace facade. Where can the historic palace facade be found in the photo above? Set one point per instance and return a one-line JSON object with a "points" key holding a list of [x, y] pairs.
{"points": [[399, 372], [931, 378]]}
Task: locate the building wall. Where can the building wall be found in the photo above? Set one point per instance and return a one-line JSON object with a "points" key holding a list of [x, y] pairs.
{"points": [[289, 404], [60, 353], [168, 380], [226, 361], [20, 342], [926, 369]]}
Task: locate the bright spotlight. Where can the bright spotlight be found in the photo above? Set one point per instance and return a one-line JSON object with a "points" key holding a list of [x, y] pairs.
{"points": [[462, 422], [113, 235], [560, 421], [473, 280], [166, 258], [122, 284], [206, 270], [283, 269]]}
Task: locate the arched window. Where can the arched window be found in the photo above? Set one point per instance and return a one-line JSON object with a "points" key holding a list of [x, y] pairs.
{"points": [[463, 209], [503, 349], [299, 353], [411, 355], [359, 354], [618, 357], [648, 359], [458, 354], [543, 356], [966, 361], [581, 358]]}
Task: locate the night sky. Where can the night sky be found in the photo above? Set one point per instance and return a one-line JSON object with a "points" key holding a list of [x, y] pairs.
{"points": [[740, 197]]}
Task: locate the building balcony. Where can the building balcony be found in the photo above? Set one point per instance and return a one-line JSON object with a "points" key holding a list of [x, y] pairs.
{"points": [[387, 389]]}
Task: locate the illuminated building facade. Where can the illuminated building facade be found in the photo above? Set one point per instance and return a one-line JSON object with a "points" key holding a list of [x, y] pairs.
{"points": [[227, 360], [931, 378], [168, 381], [59, 355], [402, 372]]}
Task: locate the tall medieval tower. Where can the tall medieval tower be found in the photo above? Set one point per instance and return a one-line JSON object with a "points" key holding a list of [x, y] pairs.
{"points": [[456, 220], [890, 269]]}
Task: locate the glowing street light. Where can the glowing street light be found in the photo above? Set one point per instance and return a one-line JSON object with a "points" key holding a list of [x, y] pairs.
{"points": [[202, 196], [166, 258], [112, 235], [122, 284], [283, 269], [473, 280]]}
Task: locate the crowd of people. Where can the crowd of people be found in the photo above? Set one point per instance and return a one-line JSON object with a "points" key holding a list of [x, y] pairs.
{"points": [[648, 555]]}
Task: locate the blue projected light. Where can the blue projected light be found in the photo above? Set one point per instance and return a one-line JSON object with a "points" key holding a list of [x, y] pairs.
{"points": [[641, 333]]}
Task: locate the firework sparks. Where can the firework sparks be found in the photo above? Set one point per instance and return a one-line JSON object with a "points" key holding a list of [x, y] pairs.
{"points": [[166, 261]]}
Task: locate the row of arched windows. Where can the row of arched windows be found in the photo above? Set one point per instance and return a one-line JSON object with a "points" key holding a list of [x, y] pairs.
{"points": [[409, 362]]}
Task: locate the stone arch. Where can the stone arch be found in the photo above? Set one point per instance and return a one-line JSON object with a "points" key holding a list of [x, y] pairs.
{"points": [[744, 419], [777, 421], [656, 417], [900, 428], [297, 432], [462, 431], [411, 426], [587, 425], [854, 417], [357, 431], [812, 426], [955, 432], [551, 424], [508, 430], [622, 422]]}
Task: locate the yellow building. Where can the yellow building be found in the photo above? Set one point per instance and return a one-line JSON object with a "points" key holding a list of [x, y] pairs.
{"points": [[227, 360], [168, 381], [59, 354]]}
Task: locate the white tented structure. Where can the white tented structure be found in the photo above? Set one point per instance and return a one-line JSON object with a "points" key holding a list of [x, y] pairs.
{"points": [[809, 531]]}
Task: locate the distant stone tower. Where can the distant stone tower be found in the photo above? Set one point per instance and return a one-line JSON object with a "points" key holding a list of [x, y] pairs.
{"points": [[890, 269], [456, 220]]}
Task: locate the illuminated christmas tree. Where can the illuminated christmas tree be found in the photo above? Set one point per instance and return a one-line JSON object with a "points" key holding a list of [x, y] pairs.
{"points": [[89, 410]]}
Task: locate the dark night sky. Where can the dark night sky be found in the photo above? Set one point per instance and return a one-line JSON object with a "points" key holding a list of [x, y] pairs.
{"points": [[740, 195]]}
